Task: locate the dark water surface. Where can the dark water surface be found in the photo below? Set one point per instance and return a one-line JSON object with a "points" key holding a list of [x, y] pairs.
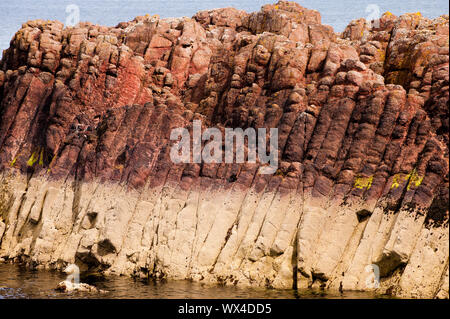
{"points": [[18, 282]]}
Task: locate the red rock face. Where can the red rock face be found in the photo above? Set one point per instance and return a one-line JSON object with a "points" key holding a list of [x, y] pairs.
{"points": [[362, 115]]}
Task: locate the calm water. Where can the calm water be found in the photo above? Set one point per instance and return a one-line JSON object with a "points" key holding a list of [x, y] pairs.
{"points": [[109, 12], [16, 282]]}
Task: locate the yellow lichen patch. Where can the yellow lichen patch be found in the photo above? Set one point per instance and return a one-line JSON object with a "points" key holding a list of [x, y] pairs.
{"points": [[33, 159], [381, 54], [37, 155], [363, 182], [418, 14], [119, 167], [397, 180], [279, 172], [276, 7], [13, 161], [412, 177], [41, 157], [387, 13]]}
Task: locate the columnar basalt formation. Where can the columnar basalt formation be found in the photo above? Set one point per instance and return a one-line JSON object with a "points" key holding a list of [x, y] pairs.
{"points": [[363, 120]]}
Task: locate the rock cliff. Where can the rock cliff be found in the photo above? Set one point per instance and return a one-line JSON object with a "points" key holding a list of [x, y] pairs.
{"points": [[363, 117]]}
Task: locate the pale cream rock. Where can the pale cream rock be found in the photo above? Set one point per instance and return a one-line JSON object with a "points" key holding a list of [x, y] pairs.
{"points": [[2, 229], [401, 242], [426, 266], [232, 236], [443, 290]]}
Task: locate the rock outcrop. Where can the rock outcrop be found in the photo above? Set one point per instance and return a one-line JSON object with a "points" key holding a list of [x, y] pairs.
{"points": [[363, 120], [69, 287]]}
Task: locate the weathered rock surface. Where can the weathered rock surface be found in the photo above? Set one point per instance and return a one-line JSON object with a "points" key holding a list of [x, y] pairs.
{"points": [[69, 287], [363, 120]]}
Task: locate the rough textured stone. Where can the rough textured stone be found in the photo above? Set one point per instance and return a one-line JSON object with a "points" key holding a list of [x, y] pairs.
{"points": [[85, 121]]}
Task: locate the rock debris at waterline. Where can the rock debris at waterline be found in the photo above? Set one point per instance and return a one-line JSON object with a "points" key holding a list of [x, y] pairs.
{"points": [[86, 116]]}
